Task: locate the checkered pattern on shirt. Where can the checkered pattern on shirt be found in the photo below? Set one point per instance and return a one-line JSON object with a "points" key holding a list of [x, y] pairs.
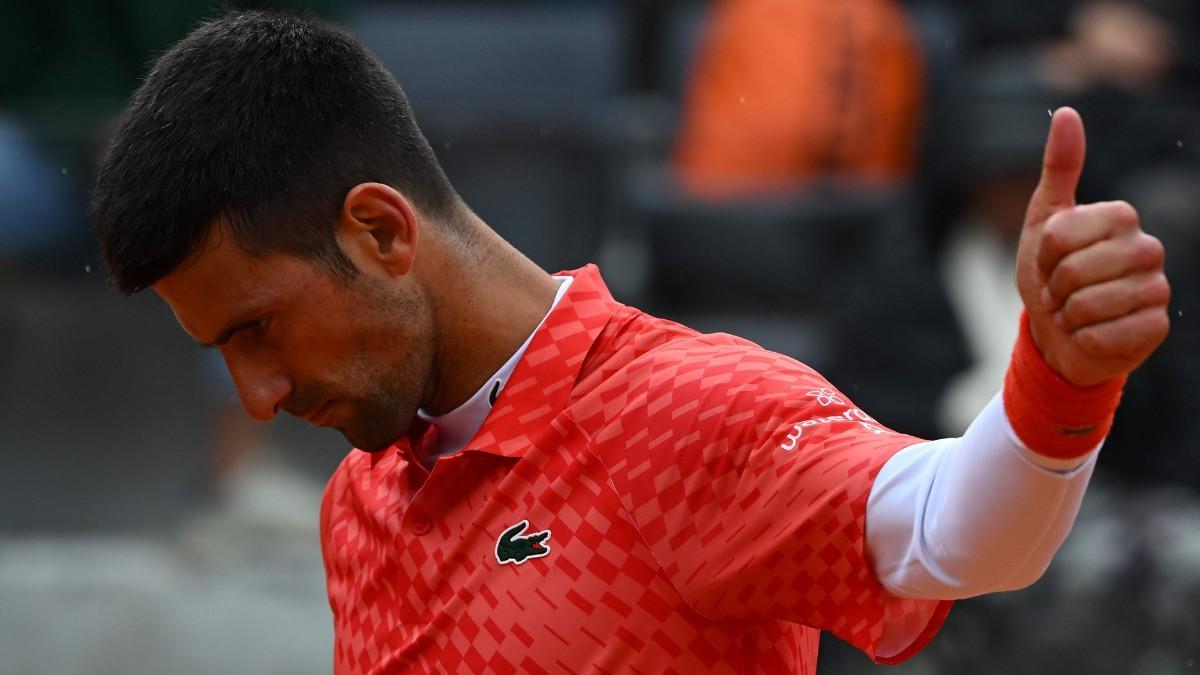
{"points": [[680, 542], [748, 476]]}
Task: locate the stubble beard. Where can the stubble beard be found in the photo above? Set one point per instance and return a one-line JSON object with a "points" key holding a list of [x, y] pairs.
{"points": [[386, 409], [379, 421]]}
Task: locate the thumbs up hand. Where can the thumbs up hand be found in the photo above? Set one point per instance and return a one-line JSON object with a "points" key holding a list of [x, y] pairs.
{"points": [[1092, 281]]}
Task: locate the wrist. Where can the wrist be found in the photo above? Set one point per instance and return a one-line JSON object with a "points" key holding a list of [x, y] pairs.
{"points": [[1050, 415]]}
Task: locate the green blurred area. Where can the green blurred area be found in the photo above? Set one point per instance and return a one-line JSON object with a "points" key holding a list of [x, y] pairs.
{"points": [[69, 65]]}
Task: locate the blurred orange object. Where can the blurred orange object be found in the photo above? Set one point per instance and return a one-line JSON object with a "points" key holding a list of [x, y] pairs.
{"points": [[787, 90]]}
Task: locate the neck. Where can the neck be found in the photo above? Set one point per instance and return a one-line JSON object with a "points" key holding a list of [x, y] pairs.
{"points": [[487, 299]]}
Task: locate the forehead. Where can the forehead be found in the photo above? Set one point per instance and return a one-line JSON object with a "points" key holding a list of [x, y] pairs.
{"points": [[223, 282]]}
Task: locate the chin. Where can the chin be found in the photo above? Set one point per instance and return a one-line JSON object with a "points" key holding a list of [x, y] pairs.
{"points": [[370, 443], [373, 441], [371, 448]]}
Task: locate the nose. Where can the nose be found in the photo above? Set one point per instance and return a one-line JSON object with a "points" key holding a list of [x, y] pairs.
{"points": [[262, 387]]}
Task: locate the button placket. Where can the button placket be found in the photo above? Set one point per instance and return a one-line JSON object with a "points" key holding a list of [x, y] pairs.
{"points": [[418, 520]]}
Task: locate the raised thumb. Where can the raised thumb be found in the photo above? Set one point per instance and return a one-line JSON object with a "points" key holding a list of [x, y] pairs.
{"points": [[1062, 164]]}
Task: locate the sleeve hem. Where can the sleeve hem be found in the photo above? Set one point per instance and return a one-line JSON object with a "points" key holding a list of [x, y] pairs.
{"points": [[922, 640]]}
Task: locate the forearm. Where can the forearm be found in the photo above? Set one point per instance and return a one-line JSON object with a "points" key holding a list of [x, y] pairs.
{"points": [[960, 517], [982, 513]]}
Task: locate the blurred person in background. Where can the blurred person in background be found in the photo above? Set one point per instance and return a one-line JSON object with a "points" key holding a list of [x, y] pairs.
{"points": [[785, 92], [795, 97], [41, 211]]}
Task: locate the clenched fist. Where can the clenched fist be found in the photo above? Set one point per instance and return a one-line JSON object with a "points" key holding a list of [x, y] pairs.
{"points": [[1092, 281]]}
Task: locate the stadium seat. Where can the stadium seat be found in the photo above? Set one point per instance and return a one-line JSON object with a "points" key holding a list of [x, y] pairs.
{"points": [[102, 422], [835, 275], [513, 100]]}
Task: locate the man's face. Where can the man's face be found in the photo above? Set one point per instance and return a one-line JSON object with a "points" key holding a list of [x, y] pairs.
{"points": [[353, 355]]}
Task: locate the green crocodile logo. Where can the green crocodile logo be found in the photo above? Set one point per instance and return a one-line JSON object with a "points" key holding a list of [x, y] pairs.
{"points": [[514, 548]]}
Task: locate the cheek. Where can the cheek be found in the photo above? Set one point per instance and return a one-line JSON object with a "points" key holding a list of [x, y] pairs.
{"points": [[364, 342], [367, 356], [314, 351]]}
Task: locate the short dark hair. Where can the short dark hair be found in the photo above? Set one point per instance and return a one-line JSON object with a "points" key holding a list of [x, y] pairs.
{"points": [[265, 120]]}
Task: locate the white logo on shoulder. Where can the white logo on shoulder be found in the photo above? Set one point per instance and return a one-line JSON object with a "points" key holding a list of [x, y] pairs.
{"points": [[827, 397], [855, 415]]}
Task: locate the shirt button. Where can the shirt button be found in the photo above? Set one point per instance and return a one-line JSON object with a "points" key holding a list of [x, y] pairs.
{"points": [[421, 524]]}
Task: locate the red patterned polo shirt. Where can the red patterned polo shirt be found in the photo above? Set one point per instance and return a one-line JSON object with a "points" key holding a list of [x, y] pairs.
{"points": [[642, 498]]}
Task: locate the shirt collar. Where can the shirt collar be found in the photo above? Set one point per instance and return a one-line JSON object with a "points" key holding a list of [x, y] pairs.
{"points": [[544, 377], [457, 427]]}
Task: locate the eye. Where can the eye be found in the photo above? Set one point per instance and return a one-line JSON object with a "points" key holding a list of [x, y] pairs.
{"points": [[254, 330]]}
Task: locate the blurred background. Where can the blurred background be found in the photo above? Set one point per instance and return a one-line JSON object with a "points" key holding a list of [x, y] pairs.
{"points": [[839, 181]]}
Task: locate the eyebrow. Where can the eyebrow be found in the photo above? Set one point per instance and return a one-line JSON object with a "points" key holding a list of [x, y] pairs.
{"points": [[228, 334]]}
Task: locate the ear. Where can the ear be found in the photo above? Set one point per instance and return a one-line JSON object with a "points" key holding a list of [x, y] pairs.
{"points": [[378, 229]]}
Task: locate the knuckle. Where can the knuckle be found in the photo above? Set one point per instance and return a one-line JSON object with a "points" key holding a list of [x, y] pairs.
{"points": [[1151, 250], [1089, 340], [1123, 212], [1066, 276], [1055, 221], [1054, 241], [1153, 332], [1142, 253], [1157, 290], [1160, 324], [1055, 231], [1078, 310]]}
